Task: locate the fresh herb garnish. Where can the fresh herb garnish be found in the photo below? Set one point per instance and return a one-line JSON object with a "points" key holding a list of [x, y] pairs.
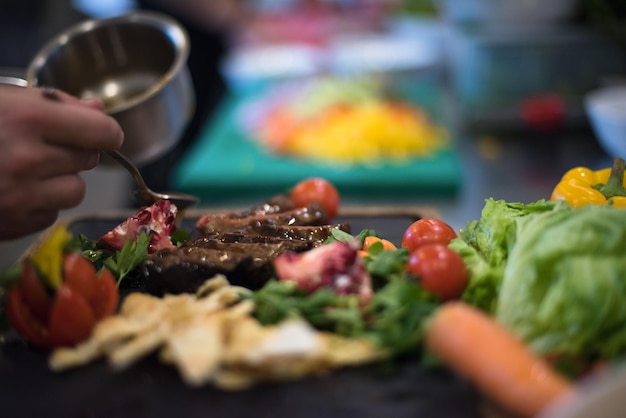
{"points": [[130, 256], [394, 317], [121, 262], [339, 235]]}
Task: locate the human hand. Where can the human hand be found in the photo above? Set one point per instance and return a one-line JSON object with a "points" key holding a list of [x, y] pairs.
{"points": [[44, 144]]}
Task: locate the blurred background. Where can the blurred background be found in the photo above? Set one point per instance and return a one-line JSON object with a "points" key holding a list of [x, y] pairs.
{"points": [[507, 82]]}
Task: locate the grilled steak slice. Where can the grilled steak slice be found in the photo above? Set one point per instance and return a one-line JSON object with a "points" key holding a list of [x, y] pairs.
{"points": [[315, 235], [278, 203], [240, 245], [311, 236], [246, 259], [213, 224], [184, 269]]}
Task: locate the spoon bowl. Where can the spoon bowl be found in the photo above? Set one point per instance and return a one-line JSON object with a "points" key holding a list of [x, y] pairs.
{"points": [[181, 200]]}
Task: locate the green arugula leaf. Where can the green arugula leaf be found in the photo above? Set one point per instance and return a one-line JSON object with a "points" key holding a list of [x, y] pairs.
{"points": [[324, 309], [384, 264], [339, 235], [399, 311], [394, 318]]}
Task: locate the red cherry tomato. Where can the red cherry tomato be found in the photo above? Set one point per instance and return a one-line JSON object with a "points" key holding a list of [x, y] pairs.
{"points": [[427, 231], [440, 270], [317, 190]]}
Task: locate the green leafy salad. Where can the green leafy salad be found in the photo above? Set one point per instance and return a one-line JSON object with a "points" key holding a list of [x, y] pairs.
{"points": [[394, 318], [553, 274]]}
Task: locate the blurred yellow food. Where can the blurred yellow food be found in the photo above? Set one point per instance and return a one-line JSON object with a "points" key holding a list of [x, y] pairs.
{"points": [[366, 133]]}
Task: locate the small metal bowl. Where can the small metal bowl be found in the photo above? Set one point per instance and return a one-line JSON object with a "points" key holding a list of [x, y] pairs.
{"points": [[137, 64]]}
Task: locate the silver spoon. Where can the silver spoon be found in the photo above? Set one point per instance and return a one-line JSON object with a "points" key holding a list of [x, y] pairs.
{"points": [[181, 200], [144, 193]]}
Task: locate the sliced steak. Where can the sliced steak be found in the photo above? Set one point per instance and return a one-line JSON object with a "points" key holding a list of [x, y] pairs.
{"points": [[277, 204], [184, 269], [310, 235], [312, 215], [244, 257], [240, 245], [315, 235]]}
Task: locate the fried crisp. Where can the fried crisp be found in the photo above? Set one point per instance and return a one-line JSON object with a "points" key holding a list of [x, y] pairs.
{"points": [[195, 347], [66, 358], [212, 337]]}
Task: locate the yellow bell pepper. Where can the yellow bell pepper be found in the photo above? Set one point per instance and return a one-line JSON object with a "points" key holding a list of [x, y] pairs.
{"points": [[582, 186], [48, 257]]}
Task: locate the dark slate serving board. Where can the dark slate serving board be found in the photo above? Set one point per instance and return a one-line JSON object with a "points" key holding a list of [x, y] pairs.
{"points": [[150, 389]]}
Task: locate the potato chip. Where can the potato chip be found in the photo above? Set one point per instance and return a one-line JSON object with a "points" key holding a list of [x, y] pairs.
{"points": [[212, 337]]}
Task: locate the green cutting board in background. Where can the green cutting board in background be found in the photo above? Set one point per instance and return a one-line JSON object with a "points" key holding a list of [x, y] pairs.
{"points": [[225, 167]]}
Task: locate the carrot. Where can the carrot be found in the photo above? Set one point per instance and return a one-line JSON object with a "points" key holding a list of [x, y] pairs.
{"points": [[494, 359]]}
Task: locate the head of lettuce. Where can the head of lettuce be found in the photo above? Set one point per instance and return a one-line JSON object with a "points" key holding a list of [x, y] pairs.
{"points": [[559, 278], [564, 285]]}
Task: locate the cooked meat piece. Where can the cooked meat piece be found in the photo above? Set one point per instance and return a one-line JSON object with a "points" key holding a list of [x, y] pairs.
{"points": [[245, 244], [278, 203], [183, 269], [246, 259], [267, 232], [240, 245], [312, 215], [316, 235]]}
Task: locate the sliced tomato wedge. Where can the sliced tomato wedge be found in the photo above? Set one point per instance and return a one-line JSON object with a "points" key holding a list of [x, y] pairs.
{"points": [[108, 295], [34, 294], [71, 319], [80, 274], [99, 290], [24, 322]]}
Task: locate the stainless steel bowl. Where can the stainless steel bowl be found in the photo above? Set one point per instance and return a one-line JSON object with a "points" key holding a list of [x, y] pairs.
{"points": [[137, 64]]}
